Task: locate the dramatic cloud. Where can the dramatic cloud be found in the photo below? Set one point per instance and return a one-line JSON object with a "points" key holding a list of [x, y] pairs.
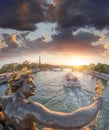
{"points": [[2, 45], [10, 40], [106, 49], [25, 14], [106, 46], [63, 42], [80, 42], [80, 13], [19, 45], [21, 14]]}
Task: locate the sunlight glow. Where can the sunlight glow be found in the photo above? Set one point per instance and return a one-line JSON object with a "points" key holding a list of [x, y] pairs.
{"points": [[77, 61]]}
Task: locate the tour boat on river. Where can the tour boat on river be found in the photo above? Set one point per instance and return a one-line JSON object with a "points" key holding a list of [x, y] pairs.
{"points": [[71, 81]]}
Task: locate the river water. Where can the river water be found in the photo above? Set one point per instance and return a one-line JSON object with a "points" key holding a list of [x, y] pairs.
{"points": [[52, 94]]}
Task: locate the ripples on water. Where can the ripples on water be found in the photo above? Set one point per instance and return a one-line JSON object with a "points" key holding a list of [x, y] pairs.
{"points": [[52, 94]]}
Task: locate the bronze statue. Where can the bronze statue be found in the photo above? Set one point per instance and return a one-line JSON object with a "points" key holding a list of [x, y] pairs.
{"points": [[21, 114]]}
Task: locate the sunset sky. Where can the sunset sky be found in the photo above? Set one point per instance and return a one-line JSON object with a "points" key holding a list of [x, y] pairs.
{"points": [[73, 32]]}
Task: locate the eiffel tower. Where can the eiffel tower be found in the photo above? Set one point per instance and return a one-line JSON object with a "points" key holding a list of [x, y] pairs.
{"points": [[39, 61]]}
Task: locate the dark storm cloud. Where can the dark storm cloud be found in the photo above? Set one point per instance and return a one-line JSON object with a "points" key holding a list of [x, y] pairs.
{"points": [[21, 14], [38, 45], [25, 14], [78, 37], [80, 13], [80, 42]]}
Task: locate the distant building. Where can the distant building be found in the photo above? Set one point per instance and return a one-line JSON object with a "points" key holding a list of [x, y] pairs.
{"points": [[26, 62]]}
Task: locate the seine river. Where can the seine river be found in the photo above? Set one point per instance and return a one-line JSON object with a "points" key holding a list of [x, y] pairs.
{"points": [[52, 94]]}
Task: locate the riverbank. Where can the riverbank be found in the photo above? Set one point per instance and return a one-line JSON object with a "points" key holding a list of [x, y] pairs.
{"points": [[99, 75], [5, 76]]}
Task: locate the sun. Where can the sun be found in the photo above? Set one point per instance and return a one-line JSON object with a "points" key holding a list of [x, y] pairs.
{"points": [[77, 61]]}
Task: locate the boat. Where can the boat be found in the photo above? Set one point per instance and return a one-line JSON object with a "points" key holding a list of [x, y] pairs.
{"points": [[56, 69], [71, 81]]}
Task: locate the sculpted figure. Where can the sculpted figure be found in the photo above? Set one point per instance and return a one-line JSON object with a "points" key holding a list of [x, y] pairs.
{"points": [[21, 114]]}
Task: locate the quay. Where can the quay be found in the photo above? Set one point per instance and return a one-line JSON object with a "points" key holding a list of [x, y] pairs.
{"points": [[99, 75]]}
